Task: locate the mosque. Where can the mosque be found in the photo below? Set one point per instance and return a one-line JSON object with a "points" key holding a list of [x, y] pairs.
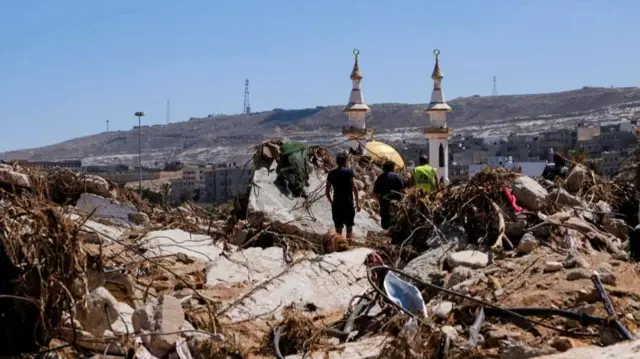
{"points": [[360, 138]]}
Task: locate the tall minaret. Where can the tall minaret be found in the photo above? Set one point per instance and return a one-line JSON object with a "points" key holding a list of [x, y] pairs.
{"points": [[438, 133], [356, 110]]}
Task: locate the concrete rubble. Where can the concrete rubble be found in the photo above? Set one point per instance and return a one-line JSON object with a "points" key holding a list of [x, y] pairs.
{"points": [[130, 279]]}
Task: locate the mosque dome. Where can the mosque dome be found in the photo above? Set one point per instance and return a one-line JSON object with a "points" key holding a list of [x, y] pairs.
{"points": [[380, 152]]}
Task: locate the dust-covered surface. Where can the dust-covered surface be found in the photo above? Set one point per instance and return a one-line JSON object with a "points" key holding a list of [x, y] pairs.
{"points": [[144, 281]]}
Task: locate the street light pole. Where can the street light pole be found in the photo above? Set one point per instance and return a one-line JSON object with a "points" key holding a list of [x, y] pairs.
{"points": [[139, 114]]}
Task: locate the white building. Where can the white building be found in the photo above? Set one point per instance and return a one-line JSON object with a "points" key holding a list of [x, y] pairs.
{"points": [[356, 129], [193, 177], [222, 184], [438, 133]]}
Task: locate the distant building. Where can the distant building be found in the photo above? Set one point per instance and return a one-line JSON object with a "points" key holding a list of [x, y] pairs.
{"points": [[609, 163], [223, 184], [194, 176], [74, 165]]}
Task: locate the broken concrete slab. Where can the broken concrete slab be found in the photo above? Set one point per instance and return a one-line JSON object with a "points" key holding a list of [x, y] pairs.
{"points": [[105, 233], [106, 209], [252, 264], [174, 241], [312, 215], [328, 281]]}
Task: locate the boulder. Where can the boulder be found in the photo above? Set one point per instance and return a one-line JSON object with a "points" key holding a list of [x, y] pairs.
{"points": [[168, 318], [527, 244], [12, 178], [427, 262], [267, 199], [576, 178], [529, 193], [470, 258], [564, 198]]}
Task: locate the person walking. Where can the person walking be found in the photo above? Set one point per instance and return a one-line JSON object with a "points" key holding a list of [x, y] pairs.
{"points": [[425, 176], [388, 187], [345, 192]]}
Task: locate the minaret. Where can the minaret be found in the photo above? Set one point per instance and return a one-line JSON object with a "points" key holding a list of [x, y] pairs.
{"points": [[356, 110], [438, 133]]}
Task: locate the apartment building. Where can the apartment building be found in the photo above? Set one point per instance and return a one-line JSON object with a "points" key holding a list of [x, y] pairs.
{"points": [[609, 163], [74, 165], [222, 184], [193, 177]]}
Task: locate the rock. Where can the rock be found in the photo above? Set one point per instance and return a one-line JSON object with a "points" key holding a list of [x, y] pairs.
{"points": [[585, 308], [96, 185], [563, 343], [576, 178], [443, 309], [12, 178], [578, 274], [143, 318], [607, 275], [427, 262], [550, 267], [139, 218], [573, 260], [616, 226], [104, 313], [564, 198], [527, 244], [517, 350], [495, 336], [168, 318], [471, 259], [450, 331], [529, 193], [459, 275], [605, 210]]}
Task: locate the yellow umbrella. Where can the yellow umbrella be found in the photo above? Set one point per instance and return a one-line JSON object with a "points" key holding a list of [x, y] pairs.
{"points": [[380, 152]]}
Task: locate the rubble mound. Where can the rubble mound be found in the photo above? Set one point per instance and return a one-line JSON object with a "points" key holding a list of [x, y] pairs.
{"points": [[500, 266]]}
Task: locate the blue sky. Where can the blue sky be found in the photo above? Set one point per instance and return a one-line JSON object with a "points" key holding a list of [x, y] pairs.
{"points": [[66, 66]]}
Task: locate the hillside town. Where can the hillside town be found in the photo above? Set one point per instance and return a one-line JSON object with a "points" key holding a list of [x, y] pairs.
{"points": [[604, 147]]}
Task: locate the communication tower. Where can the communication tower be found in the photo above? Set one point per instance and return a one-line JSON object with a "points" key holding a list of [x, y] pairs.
{"points": [[247, 104]]}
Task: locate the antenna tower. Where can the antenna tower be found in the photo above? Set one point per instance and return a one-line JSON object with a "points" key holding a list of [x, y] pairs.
{"points": [[495, 87], [247, 105], [167, 111], [107, 125]]}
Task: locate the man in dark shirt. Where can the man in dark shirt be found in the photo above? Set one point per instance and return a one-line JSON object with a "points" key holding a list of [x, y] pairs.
{"points": [[345, 191], [388, 187], [557, 169]]}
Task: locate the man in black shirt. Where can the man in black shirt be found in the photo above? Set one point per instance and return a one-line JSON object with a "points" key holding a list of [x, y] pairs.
{"points": [[345, 192], [388, 187]]}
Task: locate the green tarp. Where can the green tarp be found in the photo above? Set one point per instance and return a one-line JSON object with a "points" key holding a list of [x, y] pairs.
{"points": [[293, 169]]}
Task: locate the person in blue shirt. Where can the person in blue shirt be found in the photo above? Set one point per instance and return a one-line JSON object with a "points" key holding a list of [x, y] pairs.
{"points": [[388, 187], [345, 192]]}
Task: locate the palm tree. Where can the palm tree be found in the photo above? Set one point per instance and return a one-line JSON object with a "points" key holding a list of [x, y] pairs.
{"points": [[165, 189]]}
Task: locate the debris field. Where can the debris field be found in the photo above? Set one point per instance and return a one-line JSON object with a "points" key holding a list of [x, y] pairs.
{"points": [[500, 266]]}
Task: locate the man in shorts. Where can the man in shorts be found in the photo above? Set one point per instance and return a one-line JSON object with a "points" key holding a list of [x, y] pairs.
{"points": [[345, 192]]}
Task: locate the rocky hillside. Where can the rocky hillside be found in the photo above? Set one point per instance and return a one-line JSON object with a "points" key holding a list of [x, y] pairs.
{"points": [[221, 137]]}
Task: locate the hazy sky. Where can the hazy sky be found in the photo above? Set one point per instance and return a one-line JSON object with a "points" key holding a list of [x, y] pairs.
{"points": [[66, 66]]}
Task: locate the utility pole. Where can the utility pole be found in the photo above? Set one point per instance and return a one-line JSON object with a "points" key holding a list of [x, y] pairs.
{"points": [[139, 115], [495, 87], [167, 112]]}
